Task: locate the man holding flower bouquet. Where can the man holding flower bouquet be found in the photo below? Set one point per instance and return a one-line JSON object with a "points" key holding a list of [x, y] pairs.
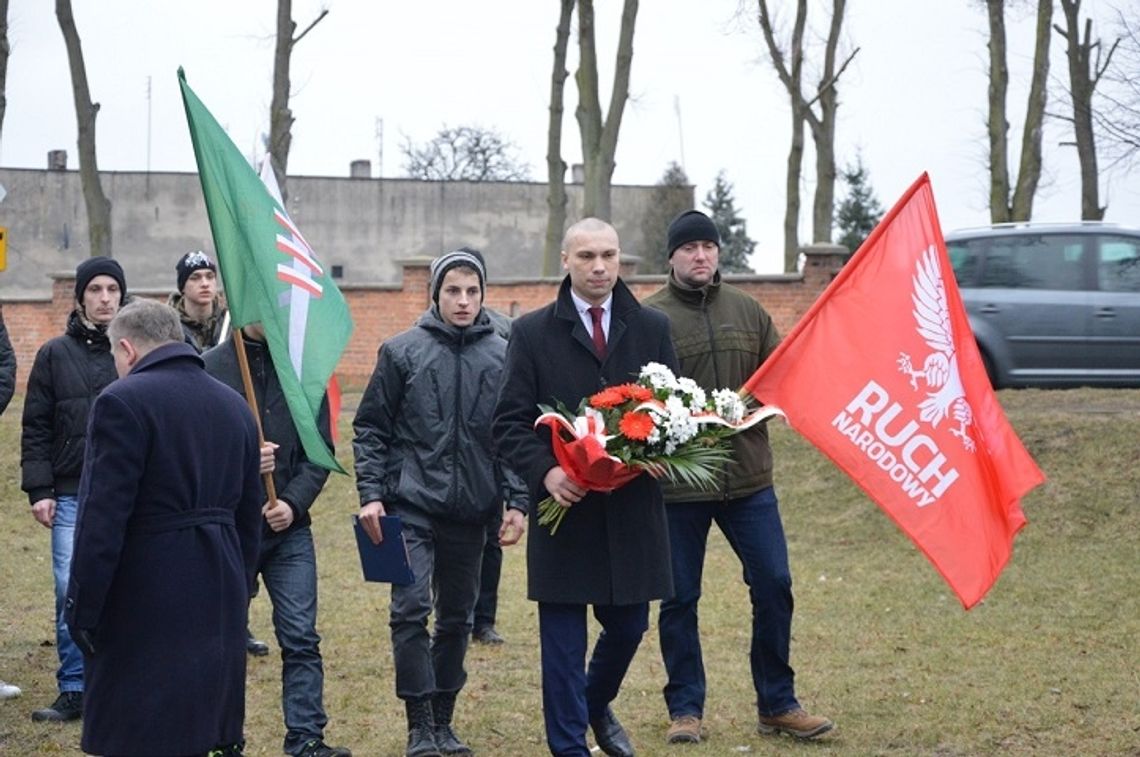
{"points": [[722, 336], [611, 549]]}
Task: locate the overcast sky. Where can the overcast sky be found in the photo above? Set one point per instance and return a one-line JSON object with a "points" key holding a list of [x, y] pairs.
{"points": [[913, 100]]}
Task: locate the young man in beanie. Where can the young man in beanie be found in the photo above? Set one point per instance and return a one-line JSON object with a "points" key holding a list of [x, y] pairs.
{"points": [[68, 373], [722, 335], [200, 305], [423, 451]]}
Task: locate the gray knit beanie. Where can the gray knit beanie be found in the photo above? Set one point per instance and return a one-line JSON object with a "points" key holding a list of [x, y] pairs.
{"points": [[444, 263]]}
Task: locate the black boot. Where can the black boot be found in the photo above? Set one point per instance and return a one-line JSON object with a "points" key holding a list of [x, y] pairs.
{"points": [[421, 736], [442, 708]]}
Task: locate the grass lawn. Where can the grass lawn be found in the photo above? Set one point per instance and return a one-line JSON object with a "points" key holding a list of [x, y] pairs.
{"points": [[1046, 664]]}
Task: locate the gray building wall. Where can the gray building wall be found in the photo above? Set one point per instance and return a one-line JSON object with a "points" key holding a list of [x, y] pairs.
{"points": [[364, 225]]}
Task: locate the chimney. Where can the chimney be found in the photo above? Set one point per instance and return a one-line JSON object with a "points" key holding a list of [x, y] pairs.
{"points": [[57, 160], [577, 173], [360, 169]]}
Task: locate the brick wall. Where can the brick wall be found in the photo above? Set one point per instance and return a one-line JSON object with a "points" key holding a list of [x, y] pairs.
{"points": [[383, 310]]}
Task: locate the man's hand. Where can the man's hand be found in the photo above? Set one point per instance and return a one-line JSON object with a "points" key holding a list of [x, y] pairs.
{"points": [[279, 516], [369, 517], [44, 511], [268, 461], [564, 491], [513, 528]]}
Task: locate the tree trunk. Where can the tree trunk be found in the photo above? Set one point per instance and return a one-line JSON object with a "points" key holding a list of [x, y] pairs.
{"points": [[4, 51], [555, 166], [1082, 83], [280, 116], [98, 206], [998, 125], [599, 138], [1029, 170], [792, 187], [823, 133]]}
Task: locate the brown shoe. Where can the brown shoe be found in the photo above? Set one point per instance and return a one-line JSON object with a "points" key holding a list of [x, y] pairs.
{"points": [[685, 729], [796, 723]]}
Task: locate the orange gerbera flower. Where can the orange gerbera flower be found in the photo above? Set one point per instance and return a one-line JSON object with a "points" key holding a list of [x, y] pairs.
{"points": [[636, 426], [609, 397], [636, 392]]}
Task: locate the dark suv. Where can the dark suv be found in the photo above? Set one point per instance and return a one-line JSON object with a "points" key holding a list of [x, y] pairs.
{"points": [[1053, 304]]}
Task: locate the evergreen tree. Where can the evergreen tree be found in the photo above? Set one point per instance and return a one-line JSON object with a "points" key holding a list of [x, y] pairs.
{"points": [[735, 245], [860, 210], [672, 195]]}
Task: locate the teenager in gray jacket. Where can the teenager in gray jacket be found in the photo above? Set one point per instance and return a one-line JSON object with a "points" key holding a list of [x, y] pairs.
{"points": [[423, 451]]}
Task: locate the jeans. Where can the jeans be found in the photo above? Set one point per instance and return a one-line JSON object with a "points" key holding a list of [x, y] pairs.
{"points": [[444, 557], [69, 677], [288, 567], [753, 529], [489, 573], [575, 694]]}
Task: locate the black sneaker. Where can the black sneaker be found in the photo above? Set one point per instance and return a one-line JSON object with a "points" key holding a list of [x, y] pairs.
{"points": [[67, 706], [487, 635], [318, 748], [255, 647]]}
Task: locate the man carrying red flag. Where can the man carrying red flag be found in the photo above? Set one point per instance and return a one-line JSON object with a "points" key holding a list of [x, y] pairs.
{"points": [[722, 335], [884, 377]]}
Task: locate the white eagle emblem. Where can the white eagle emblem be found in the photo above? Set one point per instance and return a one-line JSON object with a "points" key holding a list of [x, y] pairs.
{"points": [[940, 369]]}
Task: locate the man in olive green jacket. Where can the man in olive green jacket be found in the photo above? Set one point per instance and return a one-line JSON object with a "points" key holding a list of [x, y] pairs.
{"points": [[722, 335]]}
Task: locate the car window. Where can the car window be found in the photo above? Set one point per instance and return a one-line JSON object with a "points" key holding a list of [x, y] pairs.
{"points": [[1034, 261], [965, 259], [1119, 264]]}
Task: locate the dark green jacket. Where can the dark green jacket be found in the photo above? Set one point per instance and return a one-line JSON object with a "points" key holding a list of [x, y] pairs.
{"points": [[721, 335]]}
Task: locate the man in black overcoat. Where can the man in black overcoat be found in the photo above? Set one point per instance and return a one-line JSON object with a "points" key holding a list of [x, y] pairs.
{"points": [[165, 547], [611, 550]]}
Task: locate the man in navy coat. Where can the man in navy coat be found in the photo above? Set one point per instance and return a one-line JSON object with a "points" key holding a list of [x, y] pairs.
{"points": [[611, 550], [165, 547]]}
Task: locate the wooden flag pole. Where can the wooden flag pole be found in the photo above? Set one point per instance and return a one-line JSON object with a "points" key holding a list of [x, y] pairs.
{"points": [[251, 399]]}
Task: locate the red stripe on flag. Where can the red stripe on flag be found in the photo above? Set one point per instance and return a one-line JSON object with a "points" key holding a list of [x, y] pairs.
{"points": [[289, 276]]}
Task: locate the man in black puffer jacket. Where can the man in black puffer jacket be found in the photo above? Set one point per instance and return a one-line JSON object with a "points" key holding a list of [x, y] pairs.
{"points": [[68, 373], [424, 452]]}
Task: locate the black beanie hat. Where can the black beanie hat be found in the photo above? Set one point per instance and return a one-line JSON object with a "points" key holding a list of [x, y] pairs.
{"points": [[691, 226], [444, 263], [190, 262], [99, 266]]}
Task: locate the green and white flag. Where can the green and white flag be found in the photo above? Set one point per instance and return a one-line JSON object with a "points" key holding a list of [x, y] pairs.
{"points": [[271, 274]]}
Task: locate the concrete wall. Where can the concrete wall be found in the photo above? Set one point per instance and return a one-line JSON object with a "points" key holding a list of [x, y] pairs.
{"points": [[380, 311], [363, 225]]}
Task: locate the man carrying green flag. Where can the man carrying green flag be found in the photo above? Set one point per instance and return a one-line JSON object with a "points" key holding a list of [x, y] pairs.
{"points": [[271, 275], [295, 325]]}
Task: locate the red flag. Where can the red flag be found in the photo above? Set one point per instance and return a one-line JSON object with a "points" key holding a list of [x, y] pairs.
{"points": [[883, 375]]}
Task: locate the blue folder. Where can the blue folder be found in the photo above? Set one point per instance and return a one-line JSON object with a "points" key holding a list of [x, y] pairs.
{"points": [[386, 562]]}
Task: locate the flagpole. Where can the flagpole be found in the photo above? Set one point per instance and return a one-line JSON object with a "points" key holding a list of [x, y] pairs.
{"points": [[251, 399]]}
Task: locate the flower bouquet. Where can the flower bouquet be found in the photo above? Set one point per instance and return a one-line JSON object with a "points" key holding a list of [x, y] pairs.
{"points": [[662, 425]]}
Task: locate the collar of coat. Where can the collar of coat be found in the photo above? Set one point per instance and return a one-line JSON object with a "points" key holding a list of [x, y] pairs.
{"points": [[165, 353], [623, 302], [698, 296]]}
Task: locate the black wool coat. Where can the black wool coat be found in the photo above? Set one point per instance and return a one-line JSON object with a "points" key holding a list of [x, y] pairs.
{"points": [[611, 548], [166, 542]]}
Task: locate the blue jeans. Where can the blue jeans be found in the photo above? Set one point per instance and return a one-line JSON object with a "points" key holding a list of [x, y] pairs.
{"points": [[288, 567], [754, 531], [70, 674], [444, 556]]}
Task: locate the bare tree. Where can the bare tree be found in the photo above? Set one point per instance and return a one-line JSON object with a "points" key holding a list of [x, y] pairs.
{"points": [[555, 166], [599, 136], [280, 116], [789, 64], [1002, 210], [5, 49], [464, 153], [1118, 114], [1084, 75], [98, 206]]}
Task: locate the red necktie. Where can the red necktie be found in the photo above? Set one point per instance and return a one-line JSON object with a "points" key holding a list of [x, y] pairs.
{"points": [[599, 332]]}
